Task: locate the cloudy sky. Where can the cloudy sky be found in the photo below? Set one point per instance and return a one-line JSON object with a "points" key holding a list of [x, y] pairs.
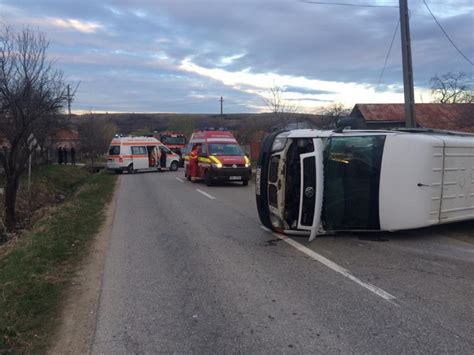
{"points": [[183, 55]]}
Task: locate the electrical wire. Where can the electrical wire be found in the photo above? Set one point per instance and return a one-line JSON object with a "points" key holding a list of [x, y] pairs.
{"points": [[386, 58], [446, 34], [345, 4]]}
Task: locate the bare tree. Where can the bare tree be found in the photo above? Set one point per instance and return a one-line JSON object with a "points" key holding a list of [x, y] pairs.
{"points": [[32, 94], [96, 135], [279, 106], [336, 109], [452, 88], [276, 102]]}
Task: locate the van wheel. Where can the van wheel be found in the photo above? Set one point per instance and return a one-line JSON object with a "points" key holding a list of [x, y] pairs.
{"points": [[130, 169], [118, 171], [174, 166], [245, 182], [208, 179]]}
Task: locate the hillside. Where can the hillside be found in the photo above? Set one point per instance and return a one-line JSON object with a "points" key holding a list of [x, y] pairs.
{"points": [[243, 124]]}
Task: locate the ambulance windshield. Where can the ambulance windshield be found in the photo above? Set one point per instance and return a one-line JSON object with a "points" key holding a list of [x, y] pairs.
{"points": [[225, 149]]}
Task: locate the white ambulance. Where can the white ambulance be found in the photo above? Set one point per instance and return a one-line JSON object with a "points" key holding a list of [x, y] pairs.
{"points": [[139, 153]]}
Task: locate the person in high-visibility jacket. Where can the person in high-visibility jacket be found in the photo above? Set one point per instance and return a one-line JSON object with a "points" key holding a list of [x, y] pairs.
{"points": [[193, 163]]}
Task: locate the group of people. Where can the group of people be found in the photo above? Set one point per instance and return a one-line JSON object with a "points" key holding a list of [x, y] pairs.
{"points": [[63, 153]]}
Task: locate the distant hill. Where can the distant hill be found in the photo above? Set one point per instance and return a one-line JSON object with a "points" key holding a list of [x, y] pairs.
{"points": [[244, 125]]}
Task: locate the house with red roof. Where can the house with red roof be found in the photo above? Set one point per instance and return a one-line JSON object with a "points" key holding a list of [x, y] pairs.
{"points": [[452, 117]]}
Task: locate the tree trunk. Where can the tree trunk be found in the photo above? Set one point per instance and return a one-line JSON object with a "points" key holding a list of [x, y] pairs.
{"points": [[10, 201]]}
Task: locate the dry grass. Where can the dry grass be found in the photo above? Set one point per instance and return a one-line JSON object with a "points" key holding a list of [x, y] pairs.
{"points": [[36, 268]]}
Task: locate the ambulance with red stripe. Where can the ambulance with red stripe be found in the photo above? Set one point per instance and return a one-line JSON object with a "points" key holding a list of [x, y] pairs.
{"points": [[139, 153], [220, 157]]}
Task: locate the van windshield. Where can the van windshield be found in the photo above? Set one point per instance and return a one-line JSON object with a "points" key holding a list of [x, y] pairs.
{"points": [[351, 182], [173, 140], [225, 149], [114, 150]]}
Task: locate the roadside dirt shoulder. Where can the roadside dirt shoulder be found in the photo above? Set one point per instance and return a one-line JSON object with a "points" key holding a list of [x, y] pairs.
{"points": [[79, 311]]}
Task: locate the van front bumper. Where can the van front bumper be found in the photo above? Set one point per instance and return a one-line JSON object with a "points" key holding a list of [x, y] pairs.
{"points": [[227, 174]]}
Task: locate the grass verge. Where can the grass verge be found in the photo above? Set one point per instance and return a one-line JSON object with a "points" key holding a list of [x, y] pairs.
{"points": [[36, 270]]}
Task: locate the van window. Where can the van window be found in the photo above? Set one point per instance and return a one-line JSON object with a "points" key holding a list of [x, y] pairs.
{"points": [[351, 182], [165, 149], [139, 151], [225, 149], [114, 150], [203, 151]]}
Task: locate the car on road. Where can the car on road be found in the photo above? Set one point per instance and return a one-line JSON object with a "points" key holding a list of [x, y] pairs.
{"points": [[132, 154], [311, 182]]}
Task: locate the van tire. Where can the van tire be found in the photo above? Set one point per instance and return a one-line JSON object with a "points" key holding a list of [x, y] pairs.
{"points": [[118, 171], [245, 182], [174, 166], [208, 179], [130, 169]]}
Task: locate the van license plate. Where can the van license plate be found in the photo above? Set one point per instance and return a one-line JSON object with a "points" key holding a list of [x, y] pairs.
{"points": [[235, 178]]}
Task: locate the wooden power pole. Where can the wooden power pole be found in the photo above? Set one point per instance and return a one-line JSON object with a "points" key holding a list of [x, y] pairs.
{"points": [[410, 119], [222, 105]]}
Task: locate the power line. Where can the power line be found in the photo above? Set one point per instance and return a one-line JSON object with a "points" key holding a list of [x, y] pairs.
{"points": [[345, 4], [446, 34], [386, 57]]}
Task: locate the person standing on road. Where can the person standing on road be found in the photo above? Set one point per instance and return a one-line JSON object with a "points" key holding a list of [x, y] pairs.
{"points": [[193, 163], [60, 155], [162, 158], [73, 156], [65, 154]]}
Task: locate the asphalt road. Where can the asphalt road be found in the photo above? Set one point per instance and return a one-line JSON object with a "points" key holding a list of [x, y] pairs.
{"points": [[188, 272]]}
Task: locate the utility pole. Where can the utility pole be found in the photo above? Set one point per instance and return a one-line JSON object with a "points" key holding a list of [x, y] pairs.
{"points": [[410, 119], [222, 105]]}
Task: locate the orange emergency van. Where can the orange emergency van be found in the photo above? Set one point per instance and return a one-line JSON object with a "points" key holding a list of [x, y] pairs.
{"points": [[139, 153], [220, 158]]}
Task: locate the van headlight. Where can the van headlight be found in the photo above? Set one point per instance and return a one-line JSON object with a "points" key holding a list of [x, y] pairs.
{"points": [[216, 165], [279, 142]]}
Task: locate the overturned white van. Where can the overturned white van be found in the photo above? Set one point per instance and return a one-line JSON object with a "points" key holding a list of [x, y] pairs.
{"points": [[312, 182]]}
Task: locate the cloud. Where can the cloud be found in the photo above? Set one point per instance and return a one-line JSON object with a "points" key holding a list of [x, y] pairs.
{"points": [[184, 54], [81, 26], [310, 90]]}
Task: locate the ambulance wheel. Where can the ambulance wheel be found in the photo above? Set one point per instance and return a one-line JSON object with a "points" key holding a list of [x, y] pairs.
{"points": [[174, 166], [208, 179], [245, 182], [130, 169]]}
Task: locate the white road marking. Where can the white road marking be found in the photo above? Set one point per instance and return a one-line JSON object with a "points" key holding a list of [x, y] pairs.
{"points": [[180, 180], [206, 194], [335, 267]]}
